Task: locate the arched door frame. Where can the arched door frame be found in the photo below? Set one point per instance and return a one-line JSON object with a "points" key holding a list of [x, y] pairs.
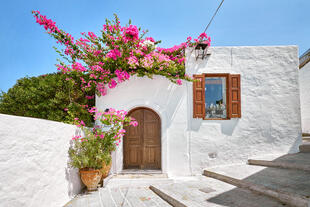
{"points": [[160, 133]]}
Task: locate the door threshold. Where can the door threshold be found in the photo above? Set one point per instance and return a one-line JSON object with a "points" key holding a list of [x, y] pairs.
{"points": [[139, 171], [141, 176]]}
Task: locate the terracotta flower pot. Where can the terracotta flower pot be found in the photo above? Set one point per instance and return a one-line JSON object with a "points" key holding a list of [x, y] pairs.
{"points": [[105, 170], [90, 178]]}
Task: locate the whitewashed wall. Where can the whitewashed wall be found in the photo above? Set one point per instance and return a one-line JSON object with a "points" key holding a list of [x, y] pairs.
{"points": [[304, 80], [270, 123], [33, 162]]}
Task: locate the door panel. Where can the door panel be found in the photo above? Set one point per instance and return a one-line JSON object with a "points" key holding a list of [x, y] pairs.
{"points": [[133, 142], [142, 144]]}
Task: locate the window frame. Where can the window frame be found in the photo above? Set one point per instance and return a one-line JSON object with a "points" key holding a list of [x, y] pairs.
{"points": [[227, 76]]}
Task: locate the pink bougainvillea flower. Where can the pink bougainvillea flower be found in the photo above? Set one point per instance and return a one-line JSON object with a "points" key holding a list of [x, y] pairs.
{"points": [[76, 137], [78, 67], [121, 75], [131, 33], [179, 82], [133, 123], [133, 61], [101, 88], [90, 97], [92, 110], [92, 35], [82, 123], [150, 39], [112, 84], [114, 54]]}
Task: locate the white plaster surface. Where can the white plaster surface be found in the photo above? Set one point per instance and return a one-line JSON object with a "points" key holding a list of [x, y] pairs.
{"points": [[304, 81], [33, 162], [270, 123]]}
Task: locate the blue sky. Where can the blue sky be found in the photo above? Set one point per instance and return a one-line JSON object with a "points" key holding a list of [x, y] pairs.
{"points": [[28, 51]]}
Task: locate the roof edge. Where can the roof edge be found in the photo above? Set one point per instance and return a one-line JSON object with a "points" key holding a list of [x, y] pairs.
{"points": [[304, 59]]}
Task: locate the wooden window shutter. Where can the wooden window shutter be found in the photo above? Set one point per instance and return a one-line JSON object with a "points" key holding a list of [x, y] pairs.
{"points": [[199, 96], [234, 96]]}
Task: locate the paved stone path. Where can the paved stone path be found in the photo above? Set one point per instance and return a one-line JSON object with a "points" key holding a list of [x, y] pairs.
{"points": [[124, 191], [122, 196]]}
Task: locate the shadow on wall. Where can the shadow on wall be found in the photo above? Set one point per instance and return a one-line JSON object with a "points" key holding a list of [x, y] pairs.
{"points": [[227, 126], [194, 68], [75, 185]]}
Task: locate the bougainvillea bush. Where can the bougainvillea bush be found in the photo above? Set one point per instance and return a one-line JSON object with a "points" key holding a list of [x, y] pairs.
{"points": [[106, 59], [94, 148], [117, 53]]}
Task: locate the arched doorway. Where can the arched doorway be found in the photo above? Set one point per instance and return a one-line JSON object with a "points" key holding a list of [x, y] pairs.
{"points": [[142, 144]]}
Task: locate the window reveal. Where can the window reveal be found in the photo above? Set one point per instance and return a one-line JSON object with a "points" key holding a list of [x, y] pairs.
{"points": [[215, 97]]}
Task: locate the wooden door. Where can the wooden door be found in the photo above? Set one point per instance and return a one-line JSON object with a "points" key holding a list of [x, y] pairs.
{"points": [[142, 144]]}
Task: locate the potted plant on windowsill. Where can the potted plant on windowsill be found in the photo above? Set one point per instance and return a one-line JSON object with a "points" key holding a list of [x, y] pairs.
{"points": [[91, 153]]}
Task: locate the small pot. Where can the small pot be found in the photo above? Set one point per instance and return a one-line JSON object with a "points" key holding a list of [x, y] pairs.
{"points": [[90, 177], [105, 169]]}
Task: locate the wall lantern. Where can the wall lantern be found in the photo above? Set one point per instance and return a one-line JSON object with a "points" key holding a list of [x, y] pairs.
{"points": [[201, 50]]}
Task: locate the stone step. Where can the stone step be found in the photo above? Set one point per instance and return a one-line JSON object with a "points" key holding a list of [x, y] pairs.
{"points": [[211, 193], [305, 147], [291, 187], [279, 164], [306, 139], [296, 158]]}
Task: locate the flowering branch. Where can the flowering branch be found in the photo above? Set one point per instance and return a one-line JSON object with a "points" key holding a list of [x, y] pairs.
{"points": [[118, 53]]}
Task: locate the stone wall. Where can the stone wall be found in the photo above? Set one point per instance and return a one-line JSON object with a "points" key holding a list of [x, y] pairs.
{"points": [[270, 123], [33, 162], [304, 81]]}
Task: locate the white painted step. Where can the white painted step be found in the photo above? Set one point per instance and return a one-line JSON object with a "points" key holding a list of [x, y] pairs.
{"points": [[289, 186], [279, 164], [211, 193], [306, 139]]}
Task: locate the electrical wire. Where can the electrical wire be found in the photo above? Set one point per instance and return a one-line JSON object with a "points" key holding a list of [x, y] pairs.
{"points": [[211, 19], [214, 15]]}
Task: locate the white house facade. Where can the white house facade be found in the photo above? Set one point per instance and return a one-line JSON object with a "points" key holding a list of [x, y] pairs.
{"points": [[246, 103], [304, 80]]}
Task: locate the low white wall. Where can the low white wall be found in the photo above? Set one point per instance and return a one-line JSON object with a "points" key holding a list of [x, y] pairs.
{"points": [[270, 122], [33, 162], [304, 80]]}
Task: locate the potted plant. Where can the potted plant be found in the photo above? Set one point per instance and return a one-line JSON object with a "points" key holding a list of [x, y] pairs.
{"points": [[91, 153]]}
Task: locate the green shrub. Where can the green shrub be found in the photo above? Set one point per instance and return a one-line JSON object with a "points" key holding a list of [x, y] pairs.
{"points": [[49, 96]]}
